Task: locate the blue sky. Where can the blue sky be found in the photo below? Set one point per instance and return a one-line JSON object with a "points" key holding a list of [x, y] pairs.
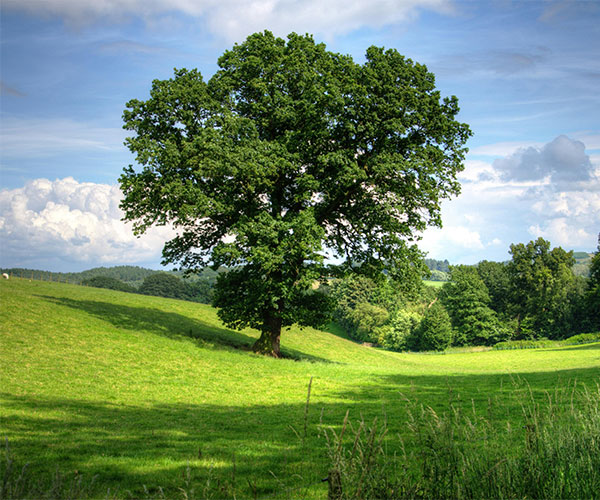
{"points": [[526, 74]]}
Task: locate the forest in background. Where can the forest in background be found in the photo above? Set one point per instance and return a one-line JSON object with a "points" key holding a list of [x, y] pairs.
{"points": [[541, 293]]}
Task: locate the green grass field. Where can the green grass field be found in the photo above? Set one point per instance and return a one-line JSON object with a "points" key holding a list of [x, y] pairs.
{"points": [[141, 393], [434, 284]]}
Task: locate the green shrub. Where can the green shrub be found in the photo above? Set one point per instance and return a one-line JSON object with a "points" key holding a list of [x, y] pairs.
{"points": [[527, 344], [108, 282], [367, 318], [434, 333], [583, 338], [396, 336]]}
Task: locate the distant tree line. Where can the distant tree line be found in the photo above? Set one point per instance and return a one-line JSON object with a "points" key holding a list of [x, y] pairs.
{"points": [[131, 275], [439, 269], [535, 295], [195, 288], [133, 279], [438, 265]]}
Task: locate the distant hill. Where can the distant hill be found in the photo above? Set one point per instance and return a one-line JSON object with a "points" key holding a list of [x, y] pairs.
{"points": [[440, 269], [132, 275], [582, 263], [195, 287]]}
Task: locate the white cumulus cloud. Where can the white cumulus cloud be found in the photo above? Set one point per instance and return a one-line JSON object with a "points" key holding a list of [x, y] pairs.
{"points": [[563, 160], [569, 218], [561, 232], [69, 225], [547, 190]]}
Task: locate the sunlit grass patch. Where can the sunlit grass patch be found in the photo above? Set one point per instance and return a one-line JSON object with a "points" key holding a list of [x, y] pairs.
{"points": [[138, 391]]}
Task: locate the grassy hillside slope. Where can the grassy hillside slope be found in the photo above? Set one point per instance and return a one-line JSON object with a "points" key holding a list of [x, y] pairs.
{"points": [[138, 390]]}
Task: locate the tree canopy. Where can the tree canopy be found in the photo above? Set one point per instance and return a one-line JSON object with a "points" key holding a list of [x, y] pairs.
{"points": [[541, 285], [164, 285], [467, 301], [108, 282], [593, 293], [290, 154]]}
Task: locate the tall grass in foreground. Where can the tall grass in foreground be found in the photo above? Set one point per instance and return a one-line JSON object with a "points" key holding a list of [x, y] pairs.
{"points": [[459, 455]]}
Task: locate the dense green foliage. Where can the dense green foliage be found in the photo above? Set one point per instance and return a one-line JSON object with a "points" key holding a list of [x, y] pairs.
{"points": [[287, 152], [164, 285], [434, 332], [592, 299], [497, 281], [362, 305], [467, 301], [197, 287], [543, 287], [400, 335], [525, 344], [132, 275], [534, 295], [537, 294], [108, 282], [578, 339], [582, 338]]}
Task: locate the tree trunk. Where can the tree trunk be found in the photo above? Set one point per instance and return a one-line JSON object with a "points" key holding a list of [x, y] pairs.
{"points": [[268, 343]]}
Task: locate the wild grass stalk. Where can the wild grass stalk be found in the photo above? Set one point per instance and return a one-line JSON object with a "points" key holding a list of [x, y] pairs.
{"points": [[456, 455], [18, 482]]}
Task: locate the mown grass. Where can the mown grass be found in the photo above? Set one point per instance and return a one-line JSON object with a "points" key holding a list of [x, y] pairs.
{"points": [[151, 397], [434, 284]]}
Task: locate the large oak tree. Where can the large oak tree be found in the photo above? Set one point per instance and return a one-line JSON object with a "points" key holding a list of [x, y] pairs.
{"points": [[286, 153]]}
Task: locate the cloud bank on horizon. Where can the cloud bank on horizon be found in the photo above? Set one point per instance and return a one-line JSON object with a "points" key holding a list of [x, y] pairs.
{"points": [[526, 75], [51, 224]]}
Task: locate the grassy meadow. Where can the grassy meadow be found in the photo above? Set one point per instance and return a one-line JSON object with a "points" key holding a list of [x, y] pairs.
{"points": [[130, 396]]}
